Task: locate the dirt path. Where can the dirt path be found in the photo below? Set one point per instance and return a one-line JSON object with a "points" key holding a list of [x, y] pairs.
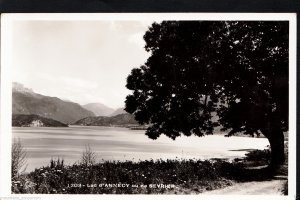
{"points": [[272, 187]]}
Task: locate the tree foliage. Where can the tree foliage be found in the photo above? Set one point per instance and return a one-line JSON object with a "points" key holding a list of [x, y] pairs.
{"points": [[237, 70]]}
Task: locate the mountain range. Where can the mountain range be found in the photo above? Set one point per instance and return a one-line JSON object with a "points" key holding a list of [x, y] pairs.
{"points": [[35, 121], [99, 109], [117, 120], [26, 102]]}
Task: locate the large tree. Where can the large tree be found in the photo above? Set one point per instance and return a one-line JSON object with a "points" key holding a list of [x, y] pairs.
{"points": [[235, 70]]}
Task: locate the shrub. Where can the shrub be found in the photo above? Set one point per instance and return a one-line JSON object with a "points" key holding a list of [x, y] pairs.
{"points": [[50, 179], [20, 183], [88, 156], [259, 155], [57, 164], [18, 158]]}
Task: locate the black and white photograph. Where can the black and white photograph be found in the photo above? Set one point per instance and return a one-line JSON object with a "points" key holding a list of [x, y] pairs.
{"points": [[149, 104]]}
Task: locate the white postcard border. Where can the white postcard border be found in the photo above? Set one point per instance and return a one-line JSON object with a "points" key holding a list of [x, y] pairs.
{"points": [[6, 97]]}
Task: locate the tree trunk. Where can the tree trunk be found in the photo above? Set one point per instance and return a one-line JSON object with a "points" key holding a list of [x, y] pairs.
{"points": [[276, 139]]}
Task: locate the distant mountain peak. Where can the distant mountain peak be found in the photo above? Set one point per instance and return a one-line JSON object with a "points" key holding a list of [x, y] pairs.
{"points": [[25, 101], [118, 112], [18, 87], [99, 109]]}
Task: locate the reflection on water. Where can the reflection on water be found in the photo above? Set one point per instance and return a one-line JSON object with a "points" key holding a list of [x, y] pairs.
{"points": [[112, 143]]}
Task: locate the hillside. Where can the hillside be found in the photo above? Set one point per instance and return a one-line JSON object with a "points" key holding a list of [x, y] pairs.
{"points": [[25, 101], [118, 112], [118, 120], [35, 121], [99, 109]]}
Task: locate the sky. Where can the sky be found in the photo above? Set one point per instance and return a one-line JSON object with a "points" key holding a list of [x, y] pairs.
{"points": [[80, 61]]}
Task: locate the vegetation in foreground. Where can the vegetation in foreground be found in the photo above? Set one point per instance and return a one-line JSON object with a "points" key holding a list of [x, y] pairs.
{"points": [[143, 177]]}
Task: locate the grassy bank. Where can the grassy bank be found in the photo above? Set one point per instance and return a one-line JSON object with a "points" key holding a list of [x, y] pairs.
{"points": [[144, 177]]}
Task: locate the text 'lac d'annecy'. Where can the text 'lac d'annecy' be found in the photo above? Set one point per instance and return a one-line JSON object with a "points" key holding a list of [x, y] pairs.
{"points": [[122, 185]]}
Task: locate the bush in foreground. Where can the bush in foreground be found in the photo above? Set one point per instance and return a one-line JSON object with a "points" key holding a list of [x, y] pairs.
{"points": [[144, 177], [18, 158]]}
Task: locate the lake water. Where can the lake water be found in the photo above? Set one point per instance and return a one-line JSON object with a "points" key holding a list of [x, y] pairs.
{"points": [[112, 143]]}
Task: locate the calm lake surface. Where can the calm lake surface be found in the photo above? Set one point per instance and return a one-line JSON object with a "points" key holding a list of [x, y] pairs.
{"points": [[112, 143]]}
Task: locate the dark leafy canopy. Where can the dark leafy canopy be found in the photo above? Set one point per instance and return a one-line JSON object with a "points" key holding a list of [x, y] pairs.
{"points": [[235, 69]]}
